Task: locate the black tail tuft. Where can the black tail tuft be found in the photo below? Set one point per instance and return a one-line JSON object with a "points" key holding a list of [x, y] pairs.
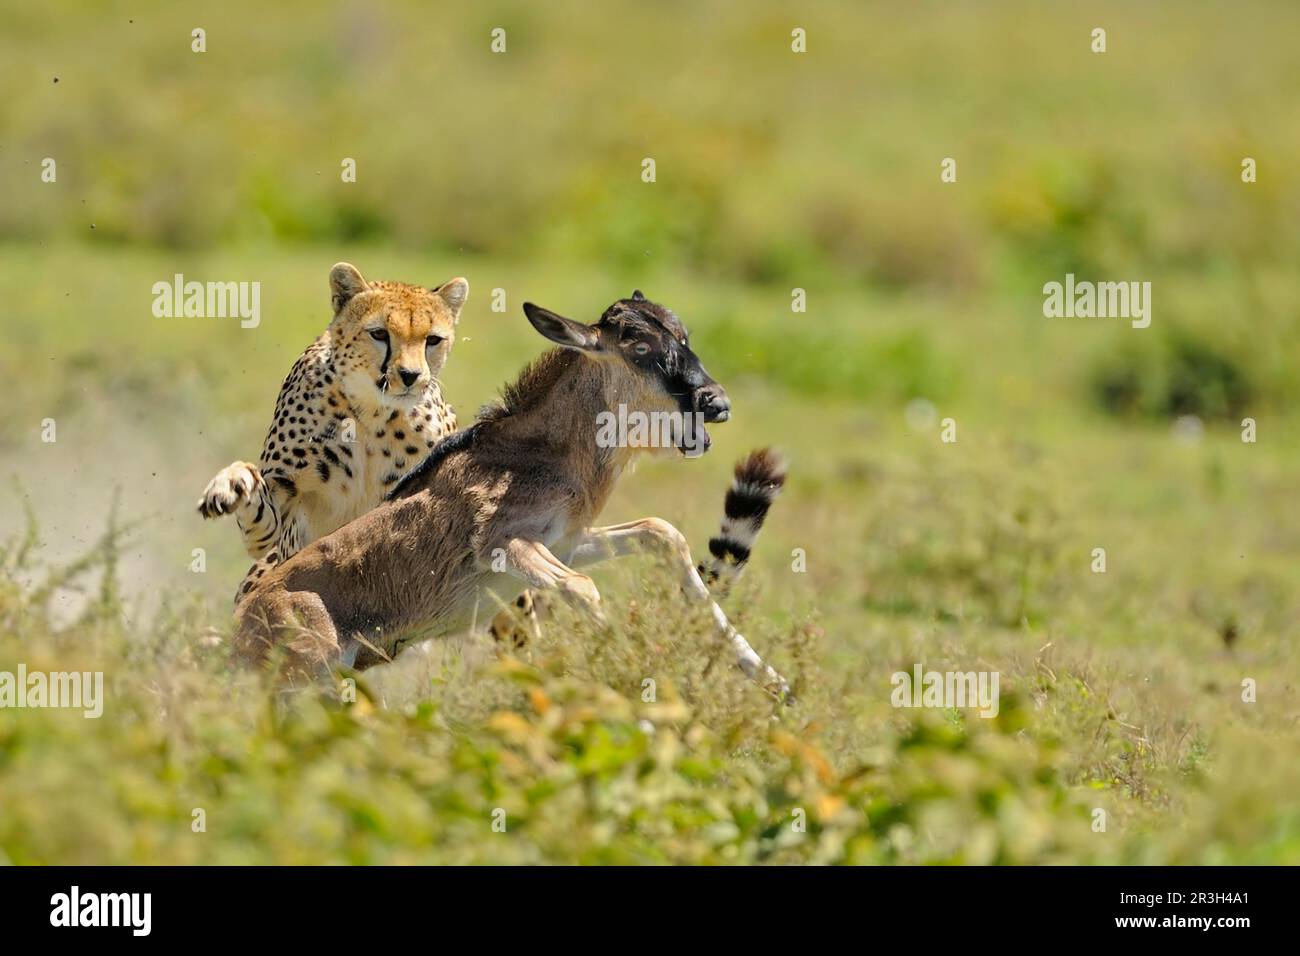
{"points": [[759, 479]]}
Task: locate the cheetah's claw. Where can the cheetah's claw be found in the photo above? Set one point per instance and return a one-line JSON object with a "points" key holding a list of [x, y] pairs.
{"points": [[232, 487]]}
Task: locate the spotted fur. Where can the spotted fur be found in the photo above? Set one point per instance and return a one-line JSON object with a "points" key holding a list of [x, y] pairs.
{"points": [[359, 409]]}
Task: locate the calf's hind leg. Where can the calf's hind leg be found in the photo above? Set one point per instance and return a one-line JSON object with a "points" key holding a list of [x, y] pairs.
{"points": [[290, 631]]}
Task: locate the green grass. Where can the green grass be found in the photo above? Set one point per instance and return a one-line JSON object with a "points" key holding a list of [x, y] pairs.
{"points": [[1121, 698]]}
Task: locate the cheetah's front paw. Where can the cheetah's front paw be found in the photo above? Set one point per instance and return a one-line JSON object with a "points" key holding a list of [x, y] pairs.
{"points": [[233, 486]]}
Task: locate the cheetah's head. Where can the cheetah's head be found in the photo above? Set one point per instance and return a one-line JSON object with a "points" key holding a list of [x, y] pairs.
{"points": [[391, 339]]}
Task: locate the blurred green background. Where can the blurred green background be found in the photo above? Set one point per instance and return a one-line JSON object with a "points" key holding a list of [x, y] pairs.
{"points": [[774, 171]]}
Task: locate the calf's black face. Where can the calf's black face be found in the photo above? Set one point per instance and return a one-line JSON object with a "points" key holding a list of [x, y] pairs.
{"points": [[652, 342]]}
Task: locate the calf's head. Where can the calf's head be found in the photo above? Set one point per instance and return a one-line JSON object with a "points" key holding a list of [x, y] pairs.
{"points": [[646, 351]]}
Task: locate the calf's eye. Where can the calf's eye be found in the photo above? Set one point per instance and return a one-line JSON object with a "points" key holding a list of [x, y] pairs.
{"points": [[641, 348]]}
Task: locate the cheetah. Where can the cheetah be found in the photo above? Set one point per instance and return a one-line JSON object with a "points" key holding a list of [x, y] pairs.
{"points": [[360, 408]]}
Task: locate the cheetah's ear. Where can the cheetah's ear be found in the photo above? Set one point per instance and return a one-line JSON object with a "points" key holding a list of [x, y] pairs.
{"points": [[454, 292], [345, 282]]}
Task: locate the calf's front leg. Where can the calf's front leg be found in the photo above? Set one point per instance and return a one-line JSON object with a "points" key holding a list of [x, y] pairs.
{"points": [[656, 534], [534, 563]]}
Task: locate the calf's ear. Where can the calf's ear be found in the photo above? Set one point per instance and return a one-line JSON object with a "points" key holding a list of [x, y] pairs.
{"points": [[568, 333]]}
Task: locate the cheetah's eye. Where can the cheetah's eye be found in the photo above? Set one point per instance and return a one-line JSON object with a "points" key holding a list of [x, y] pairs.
{"points": [[433, 340], [379, 335]]}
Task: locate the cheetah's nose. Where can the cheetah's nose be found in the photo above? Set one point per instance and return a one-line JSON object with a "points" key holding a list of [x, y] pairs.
{"points": [[409, 375]]}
